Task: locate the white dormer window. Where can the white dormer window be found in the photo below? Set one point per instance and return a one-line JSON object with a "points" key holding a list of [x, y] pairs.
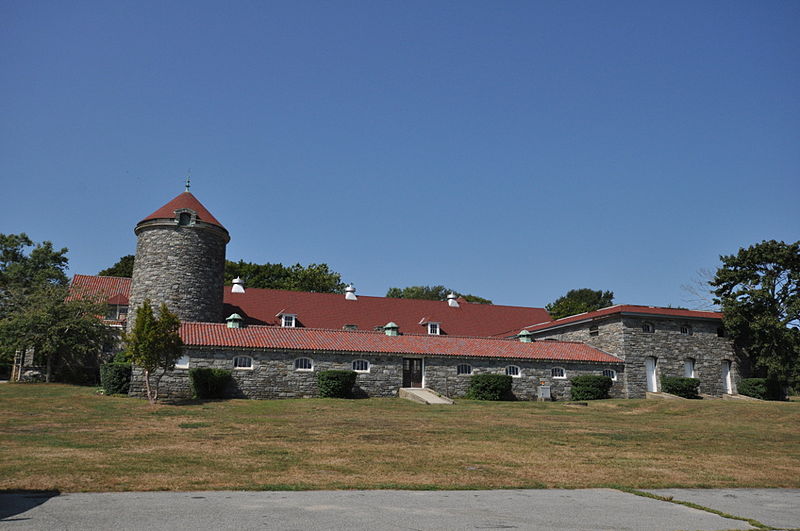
{"points": [[288, 320], [433, 329]]}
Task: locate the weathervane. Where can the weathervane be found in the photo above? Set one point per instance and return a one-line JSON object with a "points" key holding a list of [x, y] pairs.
{"points": [[188, 182]]}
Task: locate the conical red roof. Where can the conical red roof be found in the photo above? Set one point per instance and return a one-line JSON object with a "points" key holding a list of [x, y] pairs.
{"points": [[184, 200]]}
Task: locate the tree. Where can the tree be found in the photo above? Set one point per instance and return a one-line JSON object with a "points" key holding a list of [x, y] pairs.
{"points": [[35, 313], [579, 301], [759, 292], [431, 293], [123, 268], [316, 278], [153, 344]]}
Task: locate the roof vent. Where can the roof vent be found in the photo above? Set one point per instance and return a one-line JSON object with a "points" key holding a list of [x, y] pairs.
{"points": [[350, 293], [238, 285], [451, 300], [525, 336], [391, 329], [234, 321]]}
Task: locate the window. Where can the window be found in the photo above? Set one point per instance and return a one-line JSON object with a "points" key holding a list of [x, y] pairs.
{"points": [[648, 328], [464, 368], [558, 372], [242, 362], [303, 364], [361, 365], [611, 373], [594, 330], [721, 331], [184, 218], [513, 371], [686, 330], [350, 327], [182, 362], [688, 367], [433, 329], [288, 320]]}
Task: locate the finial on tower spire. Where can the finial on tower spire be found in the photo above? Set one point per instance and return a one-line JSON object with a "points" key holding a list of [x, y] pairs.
{"points": [[188, 180]]}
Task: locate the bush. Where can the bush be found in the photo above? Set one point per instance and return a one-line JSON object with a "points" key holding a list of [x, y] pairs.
{"points": [[591, 387], [115, 378], [208, 383], [763, 388], [490, 387], [683, 387], [336, 384]]}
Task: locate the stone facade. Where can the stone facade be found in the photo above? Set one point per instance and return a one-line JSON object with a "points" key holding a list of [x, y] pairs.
{"points": [[671, 342], [273, 374], [182, 266]]}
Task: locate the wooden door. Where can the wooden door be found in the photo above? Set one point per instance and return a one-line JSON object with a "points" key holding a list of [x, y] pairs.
{"points": [[412, 372]]}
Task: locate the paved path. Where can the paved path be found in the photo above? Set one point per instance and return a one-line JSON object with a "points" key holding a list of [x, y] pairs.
{"points": [[589, 509]]}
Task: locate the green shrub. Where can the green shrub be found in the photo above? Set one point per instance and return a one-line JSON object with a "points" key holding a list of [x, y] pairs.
{"points": [[683, 387], [336, 384], [115, 378], [489, 387], [591, 387], [209, 383], [763, 388]]}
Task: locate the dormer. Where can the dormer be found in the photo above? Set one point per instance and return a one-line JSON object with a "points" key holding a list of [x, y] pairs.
{"points": [[186, 217], [434, 329], [288, 320]]}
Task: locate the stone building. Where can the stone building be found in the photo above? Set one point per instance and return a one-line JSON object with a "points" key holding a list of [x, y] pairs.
{"points": [[274, 341]]}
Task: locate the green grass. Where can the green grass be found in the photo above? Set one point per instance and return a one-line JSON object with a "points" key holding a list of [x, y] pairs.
{"points": [[57, 437]]}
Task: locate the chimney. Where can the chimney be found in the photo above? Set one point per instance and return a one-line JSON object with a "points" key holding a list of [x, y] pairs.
{"points": [[451, 300], [350, 293], [238, 285], [234, 321], [525, 337], [391, 329]]}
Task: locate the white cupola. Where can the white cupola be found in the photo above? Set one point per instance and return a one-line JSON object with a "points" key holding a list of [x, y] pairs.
{"points": [[238, 285], [452, 300], [350, 293]]}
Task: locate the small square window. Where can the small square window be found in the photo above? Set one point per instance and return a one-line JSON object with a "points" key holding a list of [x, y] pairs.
{"points": [[182, 362], [464, 368], [361, 365], [686, 330], [288, 321], [513, 371], [303, 364], [558, 373], [648, 328], [433, 329], [611, 373]]}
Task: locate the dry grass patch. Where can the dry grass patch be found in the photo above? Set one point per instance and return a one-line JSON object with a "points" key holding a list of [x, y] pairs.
{"points": [[69, 439]]}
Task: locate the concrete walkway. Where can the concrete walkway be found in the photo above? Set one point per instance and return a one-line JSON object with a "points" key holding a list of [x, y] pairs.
{"points": [[588, 509]]}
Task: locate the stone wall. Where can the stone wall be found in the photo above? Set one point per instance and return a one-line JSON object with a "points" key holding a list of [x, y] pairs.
{"points": [[273, 374], [182, 267], [624, 336]]}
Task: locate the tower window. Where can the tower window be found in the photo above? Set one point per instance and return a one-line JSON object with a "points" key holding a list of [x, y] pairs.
{"points": [[184, 218]]}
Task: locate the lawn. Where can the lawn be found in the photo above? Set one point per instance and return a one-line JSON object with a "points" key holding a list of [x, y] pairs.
{"points": [[58, 437]]}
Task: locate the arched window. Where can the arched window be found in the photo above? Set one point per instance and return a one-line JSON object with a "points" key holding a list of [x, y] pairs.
{"points": [[242, 362], [611, 373], [686, 330], [688, 367], [464, 368], [558, 373], [648, 327], [361, 365], [304, 364], [182, 362], [513, 371]]}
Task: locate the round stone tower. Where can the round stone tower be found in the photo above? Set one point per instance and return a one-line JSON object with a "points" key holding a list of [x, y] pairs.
{"points": [[180, 261]]}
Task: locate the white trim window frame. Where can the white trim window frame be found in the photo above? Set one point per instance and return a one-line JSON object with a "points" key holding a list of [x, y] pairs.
{"points": [[514, 371], [361, 366], [288, 320], [434, 329], [243, 363], [611, 373], [558, 373], [463, 369], [304, 364]]}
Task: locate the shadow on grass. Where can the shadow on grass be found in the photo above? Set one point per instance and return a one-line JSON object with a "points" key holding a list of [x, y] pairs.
{"points": [[14, 502]]}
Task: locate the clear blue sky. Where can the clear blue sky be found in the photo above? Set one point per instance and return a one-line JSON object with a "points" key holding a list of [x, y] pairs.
{"points": [[513, 150]]}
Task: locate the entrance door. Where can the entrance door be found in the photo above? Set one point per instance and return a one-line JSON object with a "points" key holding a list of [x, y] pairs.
{"points": [[412, 372], [727, 386], [650, 368]]}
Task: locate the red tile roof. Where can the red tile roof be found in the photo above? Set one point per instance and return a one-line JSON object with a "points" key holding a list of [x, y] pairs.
{"points": [[628, 309], [333, 311], [184, 200], [115, 290], [272, 337]]}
